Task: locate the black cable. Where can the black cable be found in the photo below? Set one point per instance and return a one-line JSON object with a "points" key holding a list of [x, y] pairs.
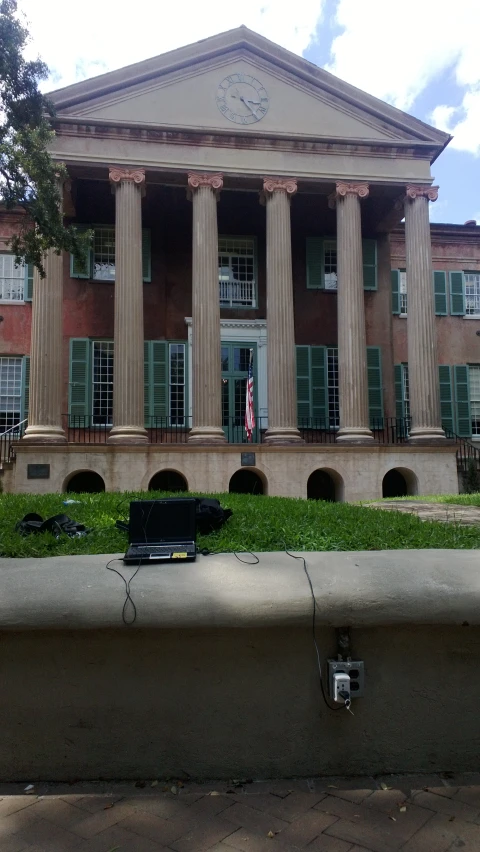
{"points": [[206, 552], [128, 597], [314, 613]]}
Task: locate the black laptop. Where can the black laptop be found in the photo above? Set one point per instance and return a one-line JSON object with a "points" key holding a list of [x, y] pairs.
{"points": [[162, 530]]}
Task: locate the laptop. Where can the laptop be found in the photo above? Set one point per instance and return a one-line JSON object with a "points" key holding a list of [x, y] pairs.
{"points": [[162, 530]]}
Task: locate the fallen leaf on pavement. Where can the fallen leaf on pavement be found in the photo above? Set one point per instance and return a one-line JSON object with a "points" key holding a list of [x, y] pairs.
{"points": [[384, 786], [154, 784], [402, 809]]}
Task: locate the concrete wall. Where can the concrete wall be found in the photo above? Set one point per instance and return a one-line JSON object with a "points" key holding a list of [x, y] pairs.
{"points": [[359, 470], [218, 677]]}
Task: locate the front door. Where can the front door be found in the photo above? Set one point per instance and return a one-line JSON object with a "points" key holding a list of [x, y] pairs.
{"points": [[235, 358]]}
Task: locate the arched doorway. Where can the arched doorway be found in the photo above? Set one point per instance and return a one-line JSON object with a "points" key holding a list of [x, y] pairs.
{"points": [[399, 482], [168, 480], [85, 482], [246, 482], [325, 484]]}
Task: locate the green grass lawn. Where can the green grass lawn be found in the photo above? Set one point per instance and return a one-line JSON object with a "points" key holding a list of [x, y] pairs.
{"points": [[258, 523], [459, 499]]}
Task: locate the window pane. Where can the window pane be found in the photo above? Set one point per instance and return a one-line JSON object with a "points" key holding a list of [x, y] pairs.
{"points": [[102, 382], [177, 384], [10, 392], [472, 293], [236, 271], [403, 292], [104, 254], [332, 379], [11, 279], [330, 264], [474, 382]]}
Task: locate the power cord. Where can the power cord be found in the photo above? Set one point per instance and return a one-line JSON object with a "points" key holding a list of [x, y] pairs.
{"points": [[345, 706], [128, 598]]}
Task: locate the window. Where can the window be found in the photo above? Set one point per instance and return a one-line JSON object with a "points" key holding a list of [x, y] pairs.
{"points": [[330, 264], [474, 382], [403, 293], [472, 294], [102, 383], [332, 386], [99, 261], [236, 271], [177, 384], [10, 392], [406, 391], [104, 254], [12, 279]]}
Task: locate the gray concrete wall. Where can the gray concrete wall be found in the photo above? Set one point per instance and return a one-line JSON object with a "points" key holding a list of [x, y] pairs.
{"points": [[218, 676], [233, 703]]}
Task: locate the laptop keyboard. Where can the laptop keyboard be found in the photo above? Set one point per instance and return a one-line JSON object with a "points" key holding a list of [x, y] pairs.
{"points": [[155, 550]]}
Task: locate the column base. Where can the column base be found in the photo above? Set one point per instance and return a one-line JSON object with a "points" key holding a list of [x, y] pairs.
{"points": [[355, 435], [426, 435], [283, 435], [36, 434], [128, 435], [207, 435]]}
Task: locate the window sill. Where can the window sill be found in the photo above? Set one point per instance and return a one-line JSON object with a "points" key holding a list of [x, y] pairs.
{"points": [[471, 317], [12, 301]]}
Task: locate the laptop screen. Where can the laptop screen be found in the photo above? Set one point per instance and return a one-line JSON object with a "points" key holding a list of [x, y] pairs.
{"points": [[168, 520]]}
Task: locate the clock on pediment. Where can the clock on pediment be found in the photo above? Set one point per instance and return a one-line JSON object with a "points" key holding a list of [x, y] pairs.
{"points": [[242, 99]]}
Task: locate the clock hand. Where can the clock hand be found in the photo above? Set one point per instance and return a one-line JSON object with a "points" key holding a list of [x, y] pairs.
{"points": [[247, 104]]}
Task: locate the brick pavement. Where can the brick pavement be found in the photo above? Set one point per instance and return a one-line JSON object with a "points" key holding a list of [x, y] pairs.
{"points": [[390, 814]]}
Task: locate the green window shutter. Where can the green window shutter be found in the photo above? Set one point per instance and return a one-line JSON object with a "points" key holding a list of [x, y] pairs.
{"points": [[446, 398], [369, 264], [315, 277], [84, 269], [159, 379], [80, 380], [147, 345], [462, 401], [399, 400], [146, 255], [318, 385], [28, 288], [395, 277], [303, 385], [375, 390], [440, 290], [457, 294], [25, 386]]}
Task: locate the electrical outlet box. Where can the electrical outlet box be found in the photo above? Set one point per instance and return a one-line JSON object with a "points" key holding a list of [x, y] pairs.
{"points": [[355, 669]]}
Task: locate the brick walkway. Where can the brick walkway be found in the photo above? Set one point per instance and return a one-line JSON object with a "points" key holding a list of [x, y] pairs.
{"points": [[448, 513], [412, 814]]}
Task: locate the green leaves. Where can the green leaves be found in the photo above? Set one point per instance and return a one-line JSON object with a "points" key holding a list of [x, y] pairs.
{"points": [[28, 175]]}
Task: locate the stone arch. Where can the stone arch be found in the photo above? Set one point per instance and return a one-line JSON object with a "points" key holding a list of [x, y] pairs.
{"points": [[325, 484], [399, 482], [168, 480], [84, 482], [248, 480]]}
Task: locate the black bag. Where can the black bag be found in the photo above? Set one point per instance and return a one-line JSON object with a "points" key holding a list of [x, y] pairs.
{"points": [[58, 524], [209, 515]]}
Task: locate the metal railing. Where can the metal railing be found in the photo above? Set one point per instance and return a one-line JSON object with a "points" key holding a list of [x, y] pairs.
{"points": [[8, 438]]}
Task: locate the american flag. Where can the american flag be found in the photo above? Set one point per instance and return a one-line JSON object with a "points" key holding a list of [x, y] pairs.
{"points": [[249, 412]]}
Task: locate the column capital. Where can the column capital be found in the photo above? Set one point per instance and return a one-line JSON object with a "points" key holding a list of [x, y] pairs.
{"points": [[415, 190], [212, 179], [361, 190], [287, 185], [117, 176]]}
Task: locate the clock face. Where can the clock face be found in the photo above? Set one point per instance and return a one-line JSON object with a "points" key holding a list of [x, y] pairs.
{"points": [[242, 99]]}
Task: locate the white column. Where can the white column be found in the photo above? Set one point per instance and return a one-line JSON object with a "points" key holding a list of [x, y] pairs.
{"points": [[352, 340], [207, 369], [422, 341], [282, 394], [45, 401], [128, 381]]}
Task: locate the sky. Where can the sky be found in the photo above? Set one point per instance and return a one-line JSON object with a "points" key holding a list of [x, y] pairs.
{"points": [[419, 55]]}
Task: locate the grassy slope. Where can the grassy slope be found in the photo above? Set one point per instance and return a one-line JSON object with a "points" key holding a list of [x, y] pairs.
{"points": [[258, 523], [459, 499]]}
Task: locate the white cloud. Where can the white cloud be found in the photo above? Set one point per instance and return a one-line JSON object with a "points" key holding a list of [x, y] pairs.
{"points": [[394, 51], [82, 39]]}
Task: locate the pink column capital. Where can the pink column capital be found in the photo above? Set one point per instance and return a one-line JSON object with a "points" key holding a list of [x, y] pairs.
{"points": [[212, 179], [361, 190], [414, 190], [287, 185]]}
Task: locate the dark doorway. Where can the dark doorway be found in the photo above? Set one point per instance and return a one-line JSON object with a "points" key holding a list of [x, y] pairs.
{"points": [[246, 482], [168, 480], [320, 486], [394, 484], [85, 482]]}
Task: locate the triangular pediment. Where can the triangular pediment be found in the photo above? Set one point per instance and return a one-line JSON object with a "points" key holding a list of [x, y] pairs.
{"points": [[239, 82]]}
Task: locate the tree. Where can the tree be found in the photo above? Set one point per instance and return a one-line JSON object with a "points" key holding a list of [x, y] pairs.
{"points": [[28, 174]]}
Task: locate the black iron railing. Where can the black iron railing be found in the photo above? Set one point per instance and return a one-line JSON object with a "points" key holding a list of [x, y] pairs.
{"points": [[8, 439]]}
